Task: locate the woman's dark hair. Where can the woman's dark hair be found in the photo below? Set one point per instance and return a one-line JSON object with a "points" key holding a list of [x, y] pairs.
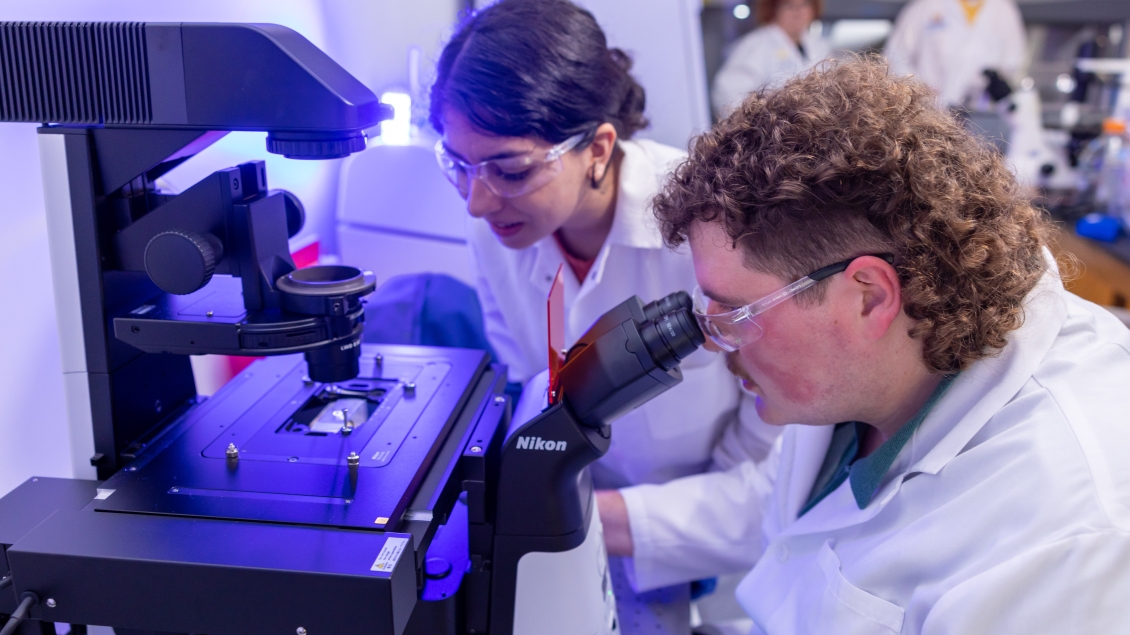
{"points": [[536, 67]]}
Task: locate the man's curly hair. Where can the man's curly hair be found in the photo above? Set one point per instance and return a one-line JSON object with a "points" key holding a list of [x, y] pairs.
{"points": [[848, 160]]}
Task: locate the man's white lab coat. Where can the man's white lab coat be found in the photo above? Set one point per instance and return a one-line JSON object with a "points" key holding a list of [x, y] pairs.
{"points": [[1008, 511], [766, 57], [674, 434], [933, 40]]}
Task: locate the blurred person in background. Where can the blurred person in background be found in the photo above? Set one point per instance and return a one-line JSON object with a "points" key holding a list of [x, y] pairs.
{"points": [[949, 44], [782, 47], [537, 117]]}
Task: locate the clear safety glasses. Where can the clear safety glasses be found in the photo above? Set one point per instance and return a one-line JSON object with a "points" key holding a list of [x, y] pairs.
{"points": [[509, 177], [734, 329]]}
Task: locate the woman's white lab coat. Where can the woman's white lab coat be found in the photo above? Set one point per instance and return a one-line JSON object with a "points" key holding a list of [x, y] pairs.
{"points": [[674, 434], [933, 40], [766, 57], [1008, 511]]}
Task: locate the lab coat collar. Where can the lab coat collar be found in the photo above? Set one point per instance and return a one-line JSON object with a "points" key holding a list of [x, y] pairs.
{"points": [[784, 41], [633, 225], [799, 467], [975, 396], [980, 392]]}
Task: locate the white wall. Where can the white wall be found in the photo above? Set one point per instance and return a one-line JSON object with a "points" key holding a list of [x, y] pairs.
{"points": [[374, 35], [664, 39]]}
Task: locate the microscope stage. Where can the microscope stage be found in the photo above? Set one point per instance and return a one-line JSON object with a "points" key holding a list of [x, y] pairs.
{"points": [[293, 439]]}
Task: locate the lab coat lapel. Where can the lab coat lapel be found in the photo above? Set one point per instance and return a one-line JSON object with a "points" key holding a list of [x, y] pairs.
{"points": [[785, 43], [799, 466], [546, 259]]}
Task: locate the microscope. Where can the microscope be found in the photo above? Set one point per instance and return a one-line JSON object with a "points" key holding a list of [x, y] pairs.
{"points": [[331, 487]]}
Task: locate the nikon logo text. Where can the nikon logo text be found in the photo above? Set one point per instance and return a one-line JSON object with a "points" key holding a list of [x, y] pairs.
{"points": [[538, 443]]}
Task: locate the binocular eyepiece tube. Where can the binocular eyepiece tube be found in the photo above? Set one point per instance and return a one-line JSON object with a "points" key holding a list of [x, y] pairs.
{"points": [[671, 337]]}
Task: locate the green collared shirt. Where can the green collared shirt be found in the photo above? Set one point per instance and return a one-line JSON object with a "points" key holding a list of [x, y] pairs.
{"points": [[865, 474]]}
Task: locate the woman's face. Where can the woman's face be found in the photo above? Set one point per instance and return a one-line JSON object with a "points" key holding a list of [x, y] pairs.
{"points": [[523, 220], [794, 17]]}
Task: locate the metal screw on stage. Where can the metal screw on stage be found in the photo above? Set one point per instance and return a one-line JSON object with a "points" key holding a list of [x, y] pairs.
{"points": [[353, 459], [347, 426], [232, 452]]}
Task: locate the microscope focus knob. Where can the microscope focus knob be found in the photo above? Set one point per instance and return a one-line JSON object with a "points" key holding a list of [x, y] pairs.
{"points": [[180, 261]]}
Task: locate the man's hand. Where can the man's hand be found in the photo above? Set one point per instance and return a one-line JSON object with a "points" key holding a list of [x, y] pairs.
{"points": [[614, 517]]}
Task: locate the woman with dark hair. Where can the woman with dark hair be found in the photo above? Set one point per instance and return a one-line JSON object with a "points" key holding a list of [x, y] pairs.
{"points": [[537, 116]]}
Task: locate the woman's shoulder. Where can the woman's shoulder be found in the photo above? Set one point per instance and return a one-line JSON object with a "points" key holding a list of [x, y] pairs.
{"points": [[659, 157]]}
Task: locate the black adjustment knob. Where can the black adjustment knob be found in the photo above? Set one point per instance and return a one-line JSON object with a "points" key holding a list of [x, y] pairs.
{"points": [[181, 262], [295, 213]]}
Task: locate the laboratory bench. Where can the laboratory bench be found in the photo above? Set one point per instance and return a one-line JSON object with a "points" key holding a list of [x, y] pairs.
{"points": [[1102, 273]]}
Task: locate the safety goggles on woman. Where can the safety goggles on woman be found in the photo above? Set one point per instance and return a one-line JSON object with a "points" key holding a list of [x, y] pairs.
{"points": [[509, 177], [734, 329]]}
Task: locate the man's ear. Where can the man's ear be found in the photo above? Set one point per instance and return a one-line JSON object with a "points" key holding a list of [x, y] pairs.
{"points": [[602, 147], [878, 291]]}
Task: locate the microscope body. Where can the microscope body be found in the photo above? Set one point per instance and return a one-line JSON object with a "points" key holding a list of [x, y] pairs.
{"points": [[547, 533]]}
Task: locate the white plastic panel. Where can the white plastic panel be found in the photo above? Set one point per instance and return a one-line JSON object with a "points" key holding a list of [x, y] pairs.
{"points": [[567, 592], [400, 188], [389, 255]]}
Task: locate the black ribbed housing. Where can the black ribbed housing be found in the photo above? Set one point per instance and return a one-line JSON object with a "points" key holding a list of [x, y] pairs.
{"points": [[69, 72]]}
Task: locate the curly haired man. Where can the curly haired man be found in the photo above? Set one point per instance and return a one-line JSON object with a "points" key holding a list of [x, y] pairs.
{"points": [[874, 276]]}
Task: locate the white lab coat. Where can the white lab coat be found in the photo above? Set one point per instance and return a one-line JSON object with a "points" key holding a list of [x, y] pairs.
{"points": [[933, 40], [767, 57], [690, 428], [1008, 511]]}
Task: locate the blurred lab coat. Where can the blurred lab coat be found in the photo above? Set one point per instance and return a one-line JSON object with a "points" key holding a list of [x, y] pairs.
{"points": [[767, 57], [703, 422], [1007, 512], [935, 41]]}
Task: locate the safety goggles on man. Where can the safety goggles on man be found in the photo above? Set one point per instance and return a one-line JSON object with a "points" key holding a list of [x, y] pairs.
{"points": [[509, 177], [734, 329]]}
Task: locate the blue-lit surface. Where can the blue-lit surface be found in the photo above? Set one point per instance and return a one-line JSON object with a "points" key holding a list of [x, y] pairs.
{"points": [[294, 479]]}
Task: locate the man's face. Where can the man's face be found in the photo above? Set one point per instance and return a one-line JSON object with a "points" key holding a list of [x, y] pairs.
{"points": [[801, 366]]}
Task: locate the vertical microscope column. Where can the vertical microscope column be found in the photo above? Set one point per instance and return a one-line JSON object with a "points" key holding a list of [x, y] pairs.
{"points": [[68, 184], [115, 394]]}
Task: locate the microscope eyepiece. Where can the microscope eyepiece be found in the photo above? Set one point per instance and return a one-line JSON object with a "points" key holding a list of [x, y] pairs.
{"points": [[672, 337], [668, 304]]}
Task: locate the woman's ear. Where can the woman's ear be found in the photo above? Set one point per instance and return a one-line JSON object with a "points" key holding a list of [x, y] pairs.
{"points": [[602, 147]]}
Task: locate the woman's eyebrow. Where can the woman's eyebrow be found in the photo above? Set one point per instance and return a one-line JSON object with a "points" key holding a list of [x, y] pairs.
{"points": [[506, 154]]}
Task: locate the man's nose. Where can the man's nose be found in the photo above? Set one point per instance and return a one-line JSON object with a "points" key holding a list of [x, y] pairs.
{"points": [[480, 200]]}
